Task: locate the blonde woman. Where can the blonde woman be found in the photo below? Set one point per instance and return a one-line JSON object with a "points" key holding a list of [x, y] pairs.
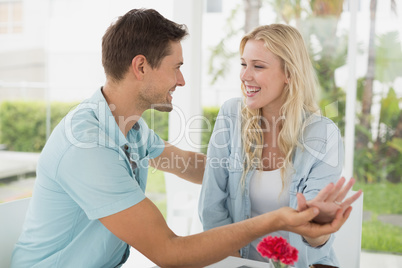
{"points": [[272, 144]]}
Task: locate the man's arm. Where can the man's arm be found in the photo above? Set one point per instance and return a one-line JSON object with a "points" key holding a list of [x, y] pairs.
{"points": [[143, 227], [185, 164]]}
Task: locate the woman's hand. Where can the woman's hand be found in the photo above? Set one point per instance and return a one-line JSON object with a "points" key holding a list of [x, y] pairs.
{"points": [[300, 222], [330, 199]]}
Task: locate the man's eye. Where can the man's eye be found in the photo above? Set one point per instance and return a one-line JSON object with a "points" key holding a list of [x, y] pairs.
{"points": [[259, 67], [243, 64]]}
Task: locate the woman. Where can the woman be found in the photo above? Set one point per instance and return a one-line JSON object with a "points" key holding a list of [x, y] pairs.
{"points": [[273, 144]]}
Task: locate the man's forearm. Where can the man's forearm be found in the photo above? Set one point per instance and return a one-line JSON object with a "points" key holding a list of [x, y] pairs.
{"points": [[185, 164], [194, 172], [218, 243]]}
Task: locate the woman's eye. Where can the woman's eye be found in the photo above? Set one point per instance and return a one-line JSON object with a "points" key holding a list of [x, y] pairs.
{"points": [[259, 67], [243, 64]]}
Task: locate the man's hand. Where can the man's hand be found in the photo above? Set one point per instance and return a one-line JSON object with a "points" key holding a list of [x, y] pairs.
{"points": [[330, 199], [300, 222]]}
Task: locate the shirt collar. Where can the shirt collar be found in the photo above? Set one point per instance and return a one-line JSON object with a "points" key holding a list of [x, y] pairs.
{"points": [[106, 119]]}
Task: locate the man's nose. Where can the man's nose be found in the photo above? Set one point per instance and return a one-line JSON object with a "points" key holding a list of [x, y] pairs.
{"points": [[180, 79]]}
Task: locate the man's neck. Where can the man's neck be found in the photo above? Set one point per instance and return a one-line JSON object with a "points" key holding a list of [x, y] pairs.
{"points": [[122, 103]]}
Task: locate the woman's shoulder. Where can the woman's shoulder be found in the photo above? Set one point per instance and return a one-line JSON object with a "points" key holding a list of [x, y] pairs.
{"points": [[319, 125], [231, 106]]}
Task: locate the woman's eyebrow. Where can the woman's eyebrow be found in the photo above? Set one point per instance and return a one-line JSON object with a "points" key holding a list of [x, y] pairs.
{"points": [[253, 61]]}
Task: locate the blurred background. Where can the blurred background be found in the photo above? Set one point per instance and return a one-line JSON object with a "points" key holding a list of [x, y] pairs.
{"points": [[50, 60]]}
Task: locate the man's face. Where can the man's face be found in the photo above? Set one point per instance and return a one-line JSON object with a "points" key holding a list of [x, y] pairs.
{"points": [[163, 80]]}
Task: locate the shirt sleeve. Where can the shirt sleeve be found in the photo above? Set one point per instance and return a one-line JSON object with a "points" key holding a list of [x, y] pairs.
{"points": [[326, 147], [98, 180], [322, 140], [213, 211]]}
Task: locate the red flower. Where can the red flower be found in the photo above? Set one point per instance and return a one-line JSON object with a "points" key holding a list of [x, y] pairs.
{"points": [[278, 249]]}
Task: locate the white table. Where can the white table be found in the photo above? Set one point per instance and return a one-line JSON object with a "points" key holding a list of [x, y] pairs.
{"points": [[234, 262], [138, 260]]}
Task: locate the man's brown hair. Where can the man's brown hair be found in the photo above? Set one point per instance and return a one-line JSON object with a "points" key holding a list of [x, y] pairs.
{"points": [[138, 32]]}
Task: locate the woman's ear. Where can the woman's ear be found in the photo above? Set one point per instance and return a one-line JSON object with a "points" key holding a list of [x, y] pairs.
{"points": [[138, 66]]}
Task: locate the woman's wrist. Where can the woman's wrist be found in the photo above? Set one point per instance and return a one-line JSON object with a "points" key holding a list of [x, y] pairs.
{"points": [[316, 242]]}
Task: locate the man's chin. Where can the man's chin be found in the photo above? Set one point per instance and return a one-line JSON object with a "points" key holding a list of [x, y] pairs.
{"points": [[166, 107]]}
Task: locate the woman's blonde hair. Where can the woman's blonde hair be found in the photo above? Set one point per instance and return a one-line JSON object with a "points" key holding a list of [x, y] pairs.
{"points": [[298, 94]]}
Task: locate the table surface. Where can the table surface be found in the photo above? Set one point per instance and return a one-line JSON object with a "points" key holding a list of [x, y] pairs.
{"points": [[235, 262]]}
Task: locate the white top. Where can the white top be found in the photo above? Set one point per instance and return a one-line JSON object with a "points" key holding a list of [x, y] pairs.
{"points": [[266, 194]]}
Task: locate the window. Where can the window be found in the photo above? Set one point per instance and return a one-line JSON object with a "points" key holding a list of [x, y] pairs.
{"points": [[10, 17]]}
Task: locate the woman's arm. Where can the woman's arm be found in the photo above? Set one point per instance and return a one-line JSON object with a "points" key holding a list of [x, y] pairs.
{"points": [[323, 144], [325, 200], [212, 210]]}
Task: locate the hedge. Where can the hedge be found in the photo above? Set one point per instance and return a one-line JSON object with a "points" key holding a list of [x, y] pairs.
{"points": [[23, 123]]}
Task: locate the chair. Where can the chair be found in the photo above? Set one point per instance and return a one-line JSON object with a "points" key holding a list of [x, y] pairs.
{"points": [[12, 216], [347, 244]]}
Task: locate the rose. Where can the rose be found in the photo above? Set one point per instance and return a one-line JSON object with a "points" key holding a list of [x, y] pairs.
{"points": [[278, 250]]}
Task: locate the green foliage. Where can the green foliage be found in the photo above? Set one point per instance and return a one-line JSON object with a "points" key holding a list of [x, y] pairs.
{"points": [[381, 198], [381, 159], [287, 10], [390, 111], [388, 63], [368, 165], [334, 108], [162, 206], [156, 185], [394, 167], [210, 114], [396, 143], [23, 124], [158, 121], [155, 181], [379, 236], [219, 60]]}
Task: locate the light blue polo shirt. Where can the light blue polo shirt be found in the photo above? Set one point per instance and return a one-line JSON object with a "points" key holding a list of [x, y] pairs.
{"points": [[84, 174]]}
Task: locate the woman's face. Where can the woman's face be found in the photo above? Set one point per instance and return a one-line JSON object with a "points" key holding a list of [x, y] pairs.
{"points": [[262, 76]]}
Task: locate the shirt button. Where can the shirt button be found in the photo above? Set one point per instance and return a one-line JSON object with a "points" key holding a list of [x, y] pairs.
{"points": [[126, 147]]}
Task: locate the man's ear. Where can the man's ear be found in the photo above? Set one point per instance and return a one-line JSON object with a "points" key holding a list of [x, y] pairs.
{"points": [[138, 66]]}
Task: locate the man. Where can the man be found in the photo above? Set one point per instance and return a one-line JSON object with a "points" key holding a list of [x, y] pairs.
{"points": [[88, 204]]}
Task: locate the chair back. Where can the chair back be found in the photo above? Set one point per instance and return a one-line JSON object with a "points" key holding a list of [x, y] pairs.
{"points": [[12, 216], [347, 244]]}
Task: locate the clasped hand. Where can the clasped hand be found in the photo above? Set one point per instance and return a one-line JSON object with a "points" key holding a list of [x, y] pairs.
{"points": [[329, 200]]}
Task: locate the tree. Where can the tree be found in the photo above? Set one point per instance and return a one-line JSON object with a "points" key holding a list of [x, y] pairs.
{"points": [[252, 14], [365, 122], [218, 64], [384, 64]]}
